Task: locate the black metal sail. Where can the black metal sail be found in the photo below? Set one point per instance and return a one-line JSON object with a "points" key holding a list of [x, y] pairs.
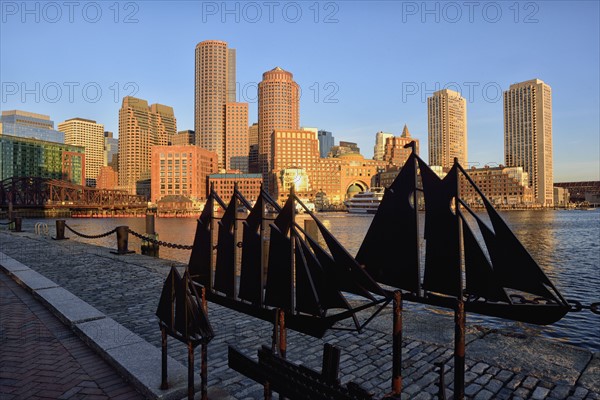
{"points": [[481, 279], [279, 287], [505, 248], [442, 258], [200, 258], [225, 266], [307, 299], [326, 284], [250, 271], [394, 223]]}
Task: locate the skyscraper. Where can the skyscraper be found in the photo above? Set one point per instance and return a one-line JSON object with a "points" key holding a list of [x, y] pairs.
{"points": [[236, 137], [215, 88], [90, 135], [326, 142], [528, 135], [140, 128], [447, 126], [379, 149], [278, 109]]}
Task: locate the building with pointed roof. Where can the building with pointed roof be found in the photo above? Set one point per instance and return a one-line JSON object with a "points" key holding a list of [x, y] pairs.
{"points": [[394, 151]]}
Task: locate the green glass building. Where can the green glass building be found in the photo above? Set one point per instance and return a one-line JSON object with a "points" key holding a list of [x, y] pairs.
{"points": [[26, 157]]}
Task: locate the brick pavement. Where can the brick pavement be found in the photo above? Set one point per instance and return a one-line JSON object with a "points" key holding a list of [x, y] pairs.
{"points": [[127, 288], [41, 358]]}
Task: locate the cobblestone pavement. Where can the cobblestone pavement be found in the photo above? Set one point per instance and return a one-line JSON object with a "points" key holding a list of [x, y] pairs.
{"points": [[127, 288], [40, 358]]}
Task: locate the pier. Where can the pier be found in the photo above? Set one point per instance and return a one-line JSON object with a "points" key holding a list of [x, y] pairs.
{"points": [[113, 300]]}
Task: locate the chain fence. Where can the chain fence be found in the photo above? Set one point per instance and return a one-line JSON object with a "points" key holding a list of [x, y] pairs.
{"points": [[136, 234], [160, 242], [90, 236]]}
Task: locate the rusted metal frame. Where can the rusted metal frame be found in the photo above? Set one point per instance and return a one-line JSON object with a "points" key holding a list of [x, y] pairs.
{"points": [[204, 354], [397, 345], [235, 231], [459, 316], [164, 371], [190, 389]]}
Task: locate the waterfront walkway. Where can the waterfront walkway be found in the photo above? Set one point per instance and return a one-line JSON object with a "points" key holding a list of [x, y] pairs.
{"points": [[41, 358], [123, 292]]}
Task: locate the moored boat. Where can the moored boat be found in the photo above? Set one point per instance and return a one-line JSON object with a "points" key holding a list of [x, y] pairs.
{"points": [[366, 202]]}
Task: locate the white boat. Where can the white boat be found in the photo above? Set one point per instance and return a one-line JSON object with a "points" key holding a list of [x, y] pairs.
{"points": [[365, 202]]}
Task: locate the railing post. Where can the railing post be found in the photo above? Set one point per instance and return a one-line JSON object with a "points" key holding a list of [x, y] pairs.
{"points": [[17, 224], [60, 230], [149, 248], [122, 241]]}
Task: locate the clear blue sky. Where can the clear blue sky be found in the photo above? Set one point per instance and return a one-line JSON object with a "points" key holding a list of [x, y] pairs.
{"points": [[362, 66]]}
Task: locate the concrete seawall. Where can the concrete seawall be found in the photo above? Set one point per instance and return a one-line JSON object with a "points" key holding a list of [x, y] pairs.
{"points": [[110, 302]]}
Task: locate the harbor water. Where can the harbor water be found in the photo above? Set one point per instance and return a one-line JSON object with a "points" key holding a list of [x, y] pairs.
{"points": [[565, 243]]}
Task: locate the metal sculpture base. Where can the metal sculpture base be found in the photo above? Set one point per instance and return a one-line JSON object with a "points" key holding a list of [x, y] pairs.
{"points": [[191, 346], [296, 381]]}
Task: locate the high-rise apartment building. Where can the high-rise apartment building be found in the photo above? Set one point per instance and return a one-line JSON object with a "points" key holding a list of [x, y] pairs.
{"points": [[278, 109], [326, 142], [379, 149], [236, 137], [140, 128], [447, 126], [215, 88], [395, 153], [528, 135], [29, 125], [90, 135]]}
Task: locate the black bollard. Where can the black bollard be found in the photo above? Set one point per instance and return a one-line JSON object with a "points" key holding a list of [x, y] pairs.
{"points": [[122, 241], [17, 224], [150, 224], [149, 248], [60, 230]]}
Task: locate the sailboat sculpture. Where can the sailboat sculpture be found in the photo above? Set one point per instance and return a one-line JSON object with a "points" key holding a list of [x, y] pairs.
{"points": [[497, 278], [295, 274]]}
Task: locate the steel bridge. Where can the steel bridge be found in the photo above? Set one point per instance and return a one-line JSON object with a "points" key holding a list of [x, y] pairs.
{"points": [[43, 193]]}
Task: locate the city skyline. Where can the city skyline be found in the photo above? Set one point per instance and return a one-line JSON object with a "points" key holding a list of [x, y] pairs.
{"points": [[325, 66]]}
